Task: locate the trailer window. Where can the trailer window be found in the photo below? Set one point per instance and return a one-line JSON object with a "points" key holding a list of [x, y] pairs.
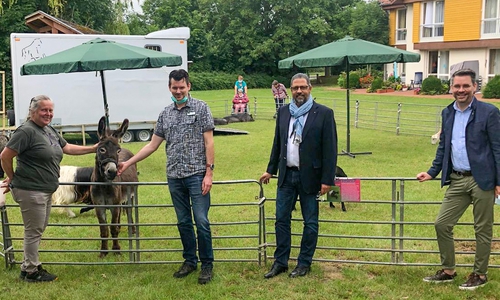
{"points": [[153, 47]]}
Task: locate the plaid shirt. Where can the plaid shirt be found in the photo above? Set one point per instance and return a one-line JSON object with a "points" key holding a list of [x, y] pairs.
{"points": [[279, 92], [183, 132]]}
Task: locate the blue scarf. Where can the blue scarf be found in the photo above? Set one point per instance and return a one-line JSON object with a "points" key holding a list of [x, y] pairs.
{"points": [[298, 113]]}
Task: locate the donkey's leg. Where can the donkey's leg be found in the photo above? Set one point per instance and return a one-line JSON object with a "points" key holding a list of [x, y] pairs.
{"points": [[70, 213], [101, 216], [130, 219], [115, 229], [130, 212]]}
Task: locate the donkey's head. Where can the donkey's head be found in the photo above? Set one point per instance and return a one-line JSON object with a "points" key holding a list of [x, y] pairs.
{"points": [[106, 158]]}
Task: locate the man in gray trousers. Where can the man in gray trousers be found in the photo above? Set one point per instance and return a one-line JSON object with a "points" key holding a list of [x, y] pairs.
{"points": [[469, 156]]}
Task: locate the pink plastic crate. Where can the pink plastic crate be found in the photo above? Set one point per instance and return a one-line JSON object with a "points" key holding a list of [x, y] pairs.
{"points": [[350, 190]]}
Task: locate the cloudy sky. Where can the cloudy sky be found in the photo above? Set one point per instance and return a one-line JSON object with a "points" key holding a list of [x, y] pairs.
{"points": [[136, 5]]}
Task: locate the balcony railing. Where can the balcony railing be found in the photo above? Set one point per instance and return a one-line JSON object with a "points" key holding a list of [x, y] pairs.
{"points": [[431, 30]]}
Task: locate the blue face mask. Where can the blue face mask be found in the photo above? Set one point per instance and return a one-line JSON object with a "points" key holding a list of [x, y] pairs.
{"points": [[183, 100]]}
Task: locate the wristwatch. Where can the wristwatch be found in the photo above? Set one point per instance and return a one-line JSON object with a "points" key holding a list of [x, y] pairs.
{"points": [[211, 166]]}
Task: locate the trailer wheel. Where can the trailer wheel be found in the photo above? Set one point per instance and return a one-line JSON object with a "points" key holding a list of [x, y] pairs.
{"points": [[128, 137], [143, 135]]}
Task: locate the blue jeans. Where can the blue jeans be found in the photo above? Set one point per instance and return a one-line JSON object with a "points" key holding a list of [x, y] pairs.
{"points": [[285, 199], [181, 190]]}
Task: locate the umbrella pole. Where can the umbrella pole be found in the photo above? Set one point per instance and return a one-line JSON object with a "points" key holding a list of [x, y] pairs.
{"points": [[348, 138], [106, 111]]}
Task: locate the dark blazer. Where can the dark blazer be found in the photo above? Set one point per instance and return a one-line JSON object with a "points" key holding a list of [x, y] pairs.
{"points": [[482, 141], [317, 152]]}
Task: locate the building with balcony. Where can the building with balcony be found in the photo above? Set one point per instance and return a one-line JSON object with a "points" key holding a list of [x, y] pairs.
{"points": [[444, 33]]}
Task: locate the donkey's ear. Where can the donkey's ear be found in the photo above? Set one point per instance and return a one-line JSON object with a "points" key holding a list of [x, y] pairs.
{"points": [[101, 128], [121, 131]]}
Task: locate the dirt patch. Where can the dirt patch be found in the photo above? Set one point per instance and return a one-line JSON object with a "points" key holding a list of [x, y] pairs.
{"points": [[332, 271], [465, 246], [495, 245]]}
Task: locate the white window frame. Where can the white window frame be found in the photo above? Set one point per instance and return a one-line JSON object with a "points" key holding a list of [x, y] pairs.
{"points": [[491, 71], [488, 21], [442, 62], [401, 32], [431, 26]]}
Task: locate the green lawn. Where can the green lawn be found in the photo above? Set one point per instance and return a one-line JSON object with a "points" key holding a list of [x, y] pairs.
{"points": [[243, 157]]}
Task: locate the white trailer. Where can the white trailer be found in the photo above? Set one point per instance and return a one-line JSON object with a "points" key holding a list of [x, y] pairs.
{"points": [[138, 95]]}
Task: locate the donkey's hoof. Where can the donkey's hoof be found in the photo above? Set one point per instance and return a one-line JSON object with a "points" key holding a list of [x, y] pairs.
{"points": [[116, 250], [103, 254]]}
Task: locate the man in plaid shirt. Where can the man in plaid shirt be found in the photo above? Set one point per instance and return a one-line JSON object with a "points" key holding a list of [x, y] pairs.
{"points": [[187, 128]]}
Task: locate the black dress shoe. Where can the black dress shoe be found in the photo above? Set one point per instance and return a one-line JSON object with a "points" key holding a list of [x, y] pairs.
{"points": [[275, 270], [299, 271], [185, 270]]}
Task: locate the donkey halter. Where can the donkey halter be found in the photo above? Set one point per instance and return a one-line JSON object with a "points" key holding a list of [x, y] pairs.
{"points": [[105, 161]]}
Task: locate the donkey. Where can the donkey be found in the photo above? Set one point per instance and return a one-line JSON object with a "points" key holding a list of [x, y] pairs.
{"points": [[108, 155]]}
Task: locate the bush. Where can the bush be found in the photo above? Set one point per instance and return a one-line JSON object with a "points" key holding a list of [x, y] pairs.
{"points": [[202, 81], [353, 80], [432, 86], [366, 81], [492, 88], [376, 84], [341, 81], [393, 79]]}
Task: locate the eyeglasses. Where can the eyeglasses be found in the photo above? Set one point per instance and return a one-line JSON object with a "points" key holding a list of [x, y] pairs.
{"points": [[296, 88]]}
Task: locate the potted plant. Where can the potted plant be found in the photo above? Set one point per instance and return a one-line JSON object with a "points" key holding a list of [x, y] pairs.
{"points": [[404, 87], [416, 91]]}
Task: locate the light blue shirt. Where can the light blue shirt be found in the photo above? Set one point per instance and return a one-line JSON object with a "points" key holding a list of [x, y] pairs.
{"points": [[292, 148], [459, 157]]}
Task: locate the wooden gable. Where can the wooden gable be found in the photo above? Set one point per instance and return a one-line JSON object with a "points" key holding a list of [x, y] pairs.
{"points": [[42, 22]]}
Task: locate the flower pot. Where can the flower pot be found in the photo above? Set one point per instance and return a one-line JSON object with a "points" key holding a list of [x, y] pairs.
{"points": [[415, 92], [380, 91], [404, 89], [389, 90]]}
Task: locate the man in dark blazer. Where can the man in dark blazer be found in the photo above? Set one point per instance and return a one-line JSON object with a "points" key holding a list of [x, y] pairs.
{"points": [[469, 157], [304, 155]]}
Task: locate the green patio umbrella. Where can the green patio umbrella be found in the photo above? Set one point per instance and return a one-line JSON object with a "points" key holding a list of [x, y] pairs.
{"points": [[100, 55], [346, 52]]}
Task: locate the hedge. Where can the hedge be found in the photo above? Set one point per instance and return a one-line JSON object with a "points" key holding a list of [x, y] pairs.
{"points": [[201, 81]]}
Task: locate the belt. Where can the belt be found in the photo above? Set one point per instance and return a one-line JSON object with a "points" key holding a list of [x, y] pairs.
{"points": [[463, 173], [293, 168]]}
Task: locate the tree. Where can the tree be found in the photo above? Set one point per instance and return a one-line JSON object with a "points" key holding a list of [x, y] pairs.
{"points": [[98, 14], [369, 22], [249, 35]]}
